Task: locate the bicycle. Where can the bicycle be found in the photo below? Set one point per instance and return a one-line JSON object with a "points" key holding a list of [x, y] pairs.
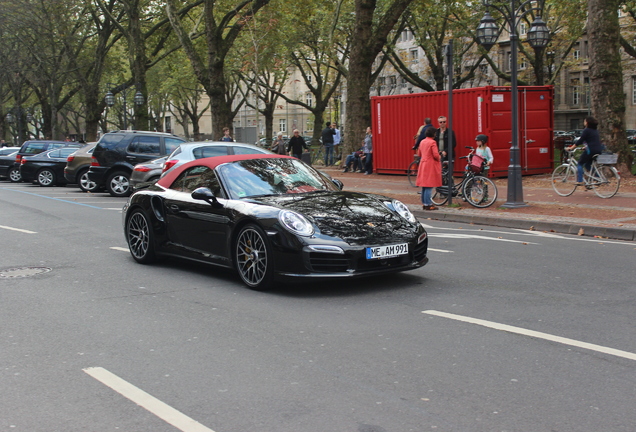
{"points": [[478, 190], [603, 179]]}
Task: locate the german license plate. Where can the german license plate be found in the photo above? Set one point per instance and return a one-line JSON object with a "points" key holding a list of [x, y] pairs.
{"points": [[387, 251]]}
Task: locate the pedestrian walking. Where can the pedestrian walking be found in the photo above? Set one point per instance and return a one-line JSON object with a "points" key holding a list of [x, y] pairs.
{"points": [[368, 152], [296, 144], [327, 141], [279, 145], [429, 174]]}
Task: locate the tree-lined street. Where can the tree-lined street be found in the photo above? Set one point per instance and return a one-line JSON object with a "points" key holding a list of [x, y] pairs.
{"points": [[397, 353]]}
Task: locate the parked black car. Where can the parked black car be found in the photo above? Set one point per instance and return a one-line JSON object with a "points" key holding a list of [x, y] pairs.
{"points": [[47, 168], [30, 148], [272, 218], [117, 153], [7, 159]]}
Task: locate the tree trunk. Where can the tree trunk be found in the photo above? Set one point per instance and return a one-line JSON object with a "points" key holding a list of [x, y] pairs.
{"points": [[606, 76], [366, 43]]}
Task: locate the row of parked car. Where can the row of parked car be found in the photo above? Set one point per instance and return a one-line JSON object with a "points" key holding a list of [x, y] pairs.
{"points": [[118, 163]]}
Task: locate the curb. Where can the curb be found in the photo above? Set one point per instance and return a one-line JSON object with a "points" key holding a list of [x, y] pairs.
{"points": [[627, 234]]}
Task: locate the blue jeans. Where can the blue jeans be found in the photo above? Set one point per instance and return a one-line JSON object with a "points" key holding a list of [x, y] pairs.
{"points": [[328, 155], [427, 194]]}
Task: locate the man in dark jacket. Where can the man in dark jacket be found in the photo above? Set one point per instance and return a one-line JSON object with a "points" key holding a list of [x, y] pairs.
{"points": [[422, 132], [441, 136], [327, 141]]}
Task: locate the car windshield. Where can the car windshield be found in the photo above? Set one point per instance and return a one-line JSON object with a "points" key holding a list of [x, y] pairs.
{"points": [[258, 177]]}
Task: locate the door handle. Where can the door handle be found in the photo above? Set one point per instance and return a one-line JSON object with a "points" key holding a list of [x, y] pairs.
{"points": [[174, 207]]}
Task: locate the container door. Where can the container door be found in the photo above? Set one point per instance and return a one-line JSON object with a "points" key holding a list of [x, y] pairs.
{"points": [[535, 130]]}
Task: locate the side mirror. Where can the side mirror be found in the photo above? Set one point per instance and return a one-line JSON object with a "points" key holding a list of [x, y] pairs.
{"points": [[204, 194], [338, 183]]}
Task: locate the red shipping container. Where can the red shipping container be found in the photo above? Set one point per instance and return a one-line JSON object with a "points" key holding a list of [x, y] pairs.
{"points": [[477, 110]]}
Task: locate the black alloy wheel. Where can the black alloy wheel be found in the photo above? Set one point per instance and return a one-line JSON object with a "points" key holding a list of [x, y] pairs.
{"points": [[140, 237], [253, 258]]}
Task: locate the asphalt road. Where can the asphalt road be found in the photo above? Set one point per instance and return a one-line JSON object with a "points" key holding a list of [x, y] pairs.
{"points": [[101, 343]]}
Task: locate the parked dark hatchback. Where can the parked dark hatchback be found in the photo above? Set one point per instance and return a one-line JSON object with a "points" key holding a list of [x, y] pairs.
{"points": [[7, 159], [117, 153], [30, 148], [47, 169]]}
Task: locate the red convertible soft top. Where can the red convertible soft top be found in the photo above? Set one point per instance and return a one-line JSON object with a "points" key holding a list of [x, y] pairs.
{"points": [[213, 162]]}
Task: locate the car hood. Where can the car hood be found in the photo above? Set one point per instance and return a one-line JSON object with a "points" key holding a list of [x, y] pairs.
{"points": [[353, 217]]}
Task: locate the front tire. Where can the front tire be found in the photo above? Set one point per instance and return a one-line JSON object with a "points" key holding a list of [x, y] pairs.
{"points": [[140, 237], [14, 175], [253, 258], [564, 180], [46, 177], [480, 192], [118, 184]]}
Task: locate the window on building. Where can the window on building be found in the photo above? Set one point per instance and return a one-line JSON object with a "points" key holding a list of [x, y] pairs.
{"points": [[576, 95], [309, 99], [414, 54], [576, 54], [523, 29], [308, 78], [282, 125], [634, 90], [523, 63]]}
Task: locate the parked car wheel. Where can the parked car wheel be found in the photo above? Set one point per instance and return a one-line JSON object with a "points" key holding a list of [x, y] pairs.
{"points": [[14, 175], [140, 237], [86, 184], [118, 184], [254, 258], [46, 177]]}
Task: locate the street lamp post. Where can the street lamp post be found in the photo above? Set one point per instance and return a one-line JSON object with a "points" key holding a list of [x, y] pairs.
{"points": [[538, 36], [110, 99]]}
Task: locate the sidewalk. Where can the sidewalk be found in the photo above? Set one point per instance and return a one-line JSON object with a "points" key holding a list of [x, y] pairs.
{"points": [[582, 213]]}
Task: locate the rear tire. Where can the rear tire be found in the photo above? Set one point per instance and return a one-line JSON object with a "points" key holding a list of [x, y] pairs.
{"points": [[85, 183], [46, 177], [412, 172], [608, 189], [118, 184]]}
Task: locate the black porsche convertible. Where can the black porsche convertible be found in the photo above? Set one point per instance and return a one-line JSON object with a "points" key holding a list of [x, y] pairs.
{"points": [[272, 218]]}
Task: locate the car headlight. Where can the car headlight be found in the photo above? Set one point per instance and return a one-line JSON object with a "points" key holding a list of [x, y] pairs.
{"points": [[400, 208], [295, 223]]}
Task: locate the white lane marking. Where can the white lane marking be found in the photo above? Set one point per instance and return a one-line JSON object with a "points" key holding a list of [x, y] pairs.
{"points": [[535, 334], [18, 229], [440, 250], [117, 248], [146, 401], [472, 236]]}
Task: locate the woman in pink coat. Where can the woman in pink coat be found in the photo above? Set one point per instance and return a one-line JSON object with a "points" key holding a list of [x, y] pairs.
{"points": [[429, 174]]}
